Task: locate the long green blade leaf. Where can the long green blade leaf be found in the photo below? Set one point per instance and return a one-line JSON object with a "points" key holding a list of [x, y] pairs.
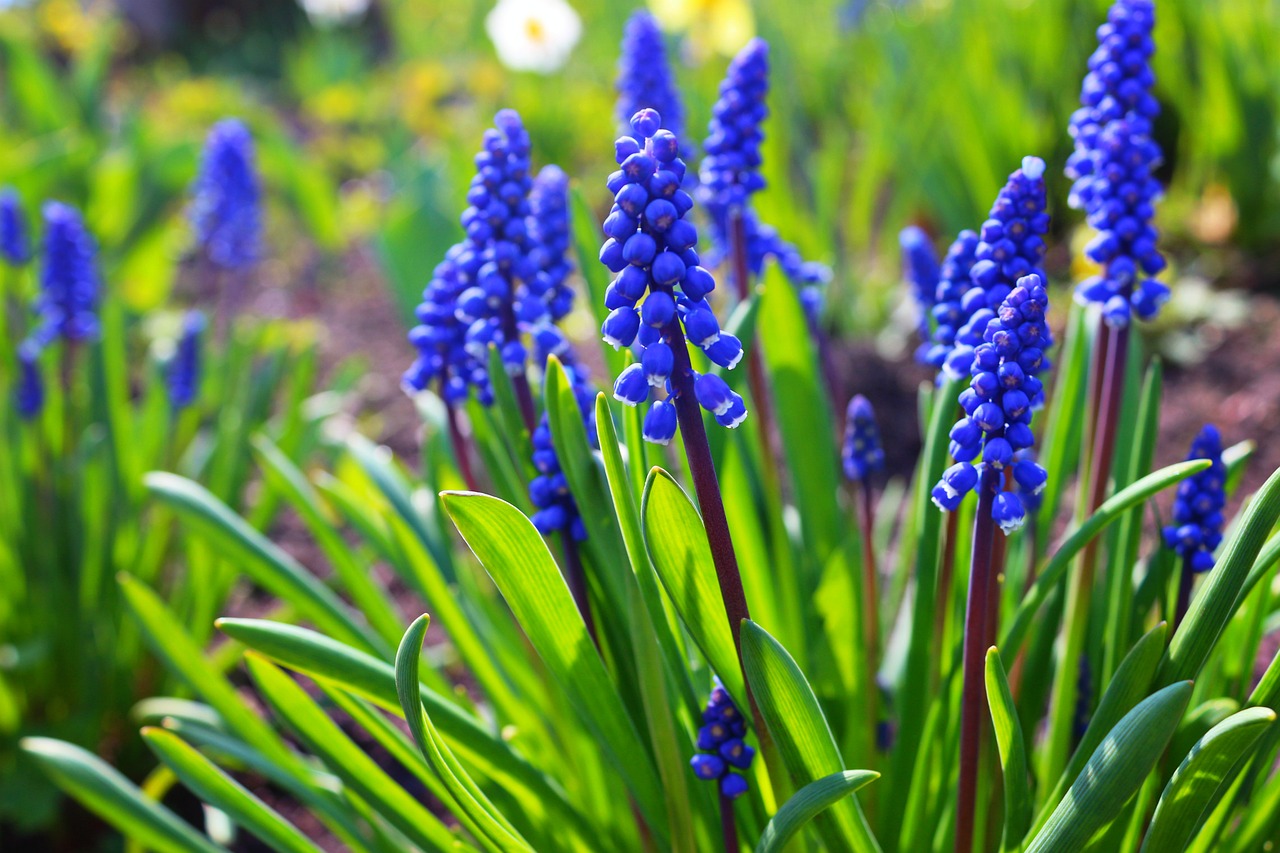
{"points": [[808, 803]]}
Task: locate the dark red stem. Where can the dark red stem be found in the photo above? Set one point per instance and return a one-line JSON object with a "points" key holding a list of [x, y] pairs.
{"points": [[728, 826], [973, 702], [461, 452], [576, 577]]}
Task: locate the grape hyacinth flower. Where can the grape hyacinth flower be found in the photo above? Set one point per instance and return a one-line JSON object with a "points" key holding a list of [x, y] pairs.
{"points": [[184, 369], [645, 80], [68, 300], [15, 247], [1113, 167], [722, 753], [658, 298], [1196, 531], [549, 237], [440, 336], [730, 171], [998, 405], [29, 393], [225, 197], [863, 454], [946, 310], [923, 273], [1010, 246], [549, 491]]}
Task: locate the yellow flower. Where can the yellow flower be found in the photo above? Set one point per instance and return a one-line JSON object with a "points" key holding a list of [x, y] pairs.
{"points": [[712, 26]]}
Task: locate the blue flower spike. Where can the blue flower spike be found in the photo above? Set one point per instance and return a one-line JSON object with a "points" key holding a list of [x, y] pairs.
{"points": [[946, 308], [68, 300], [226, 197], [15, 245], [184, 368], [657, 300], [645, 80], [723, 755], [1198, 518], [922, 271], [29, 392], [1113, 167], [863, 454], [998, 404]]}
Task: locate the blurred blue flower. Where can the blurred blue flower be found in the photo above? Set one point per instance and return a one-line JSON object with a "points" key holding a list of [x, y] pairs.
{"points": [[652, 249], [730, 170], [440, 336], [998, 405], [946, 309], [1113, 164], [921, 269], [29, 392], [645, 80], [225, 197], [721, 744], [863, 454], [68, 300], [1010, 246], [15, 246], [1196, 531], [549, 237], [184, 369]]}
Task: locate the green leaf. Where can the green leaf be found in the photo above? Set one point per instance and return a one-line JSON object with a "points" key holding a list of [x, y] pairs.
{"points": [[264, 562], [1218, 598], [678, 549], [807, 803], [1013, 752], [1210, 765], [516, 557], [1114, 773], [213, 786], [345, 759], [469, 804], [108, 794], [800, 729]]}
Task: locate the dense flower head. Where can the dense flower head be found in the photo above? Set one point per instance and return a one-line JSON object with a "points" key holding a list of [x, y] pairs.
{"points": [[923, 273], [1196, 531], [184, 368], [549, 490], [722, 750], [863, 454], [15, 246], [998, 404], [549, 237], [946, 306], [508, 276], [658, 297], [1010, 246], [730, 170], [645, 80], [29, 392], [226, 197], [68, 301], [1113, 167]]}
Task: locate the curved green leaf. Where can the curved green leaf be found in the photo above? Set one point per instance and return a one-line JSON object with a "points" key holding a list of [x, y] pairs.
{"points": [[213, 786], [807, 803], [800, 729], [1013, 752], [1209, 765], [104, 791], [1115, 772]]}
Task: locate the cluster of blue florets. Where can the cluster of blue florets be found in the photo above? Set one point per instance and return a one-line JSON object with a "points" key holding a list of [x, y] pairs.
{"points": [[947, 308], [226, 197], [68, 301], [658, 298], [183, 373], [1113, 164], [1010, 245], [557, 511], [15, 246], [505, 278], [721, 744], [863, 454], [923, 273], [645, 80], [1196, 531], [29, 392], [998, 404]]}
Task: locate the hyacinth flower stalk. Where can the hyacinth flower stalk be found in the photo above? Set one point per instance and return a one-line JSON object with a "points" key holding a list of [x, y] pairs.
{"points": [[225, 213], [723, 757], [645, 80], [658, 301], [15, 244], [1112, 170], [922, 271], [29, 391], [184, 369], [1196, 531], [863, 457]]}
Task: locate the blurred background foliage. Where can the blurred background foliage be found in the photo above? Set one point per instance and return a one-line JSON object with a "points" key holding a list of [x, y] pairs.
{"points": [[885, 112]]}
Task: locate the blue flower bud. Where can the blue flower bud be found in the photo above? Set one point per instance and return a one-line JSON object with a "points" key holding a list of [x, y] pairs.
{"points": [[725, 350], [225, 198], [1197, 507], [657, 361], [660, 423], [631, 386], [29, 392], [620, 327], [184, 369], [15, 248], [721, 744], [862, 453]]}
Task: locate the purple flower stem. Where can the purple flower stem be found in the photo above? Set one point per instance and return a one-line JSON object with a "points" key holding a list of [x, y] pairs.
{"points": [[973, 702], [728, 827], [1185, 583], [460, 450], [755, 362], [576, 577]]}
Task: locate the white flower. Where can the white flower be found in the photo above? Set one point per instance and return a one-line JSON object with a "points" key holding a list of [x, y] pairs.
{"points": [[330, 12], [533, 35]]}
